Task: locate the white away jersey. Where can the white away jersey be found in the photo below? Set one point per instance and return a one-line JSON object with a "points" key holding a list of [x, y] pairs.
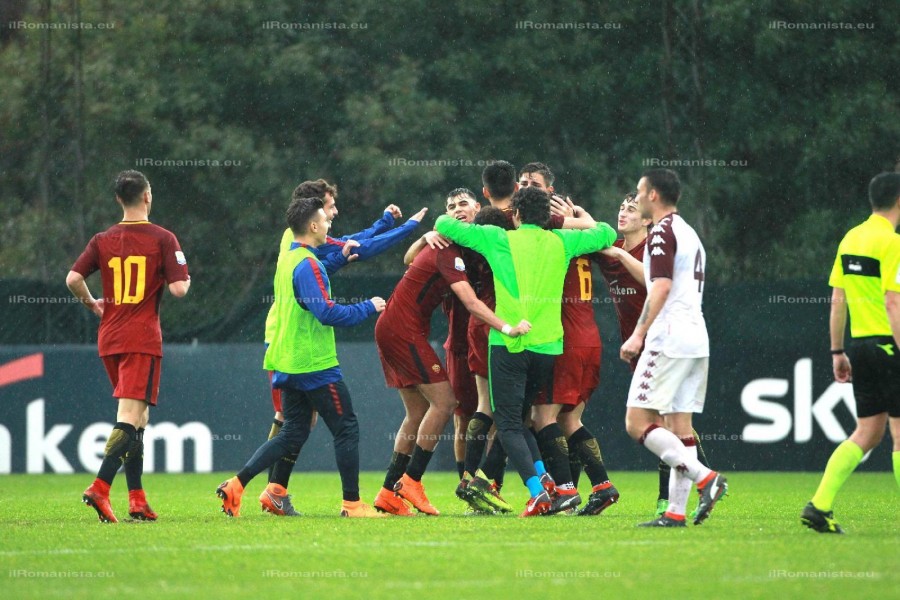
{"points": [[675, 252]]}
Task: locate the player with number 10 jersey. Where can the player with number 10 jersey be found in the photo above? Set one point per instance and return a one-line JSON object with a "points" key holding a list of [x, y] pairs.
{"points": [[136, 260]]}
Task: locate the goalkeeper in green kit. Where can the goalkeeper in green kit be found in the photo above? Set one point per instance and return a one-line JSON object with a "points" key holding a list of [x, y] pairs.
{"points": [[529, 266]]}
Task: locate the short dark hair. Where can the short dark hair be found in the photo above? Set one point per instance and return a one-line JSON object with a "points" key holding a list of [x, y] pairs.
{"points": [[462, 191], [629, 197], [884, 190], [491, 215], [314, 189], [533, 206], [301, 211], [499, 178], [130, 186], [540, 168], [666, 182]]}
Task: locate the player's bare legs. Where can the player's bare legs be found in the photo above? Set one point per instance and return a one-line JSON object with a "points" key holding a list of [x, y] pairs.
{"points": [[441, 404], [416, 406], [460, 426], [484, 395], [134, 412], [124, 447]]}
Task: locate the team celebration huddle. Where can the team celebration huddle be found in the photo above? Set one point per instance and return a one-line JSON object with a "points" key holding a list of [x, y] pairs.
{"points": [[512, 269]]}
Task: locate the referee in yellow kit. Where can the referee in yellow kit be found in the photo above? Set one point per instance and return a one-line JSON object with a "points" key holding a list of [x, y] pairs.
{"points": [[866, 280]]}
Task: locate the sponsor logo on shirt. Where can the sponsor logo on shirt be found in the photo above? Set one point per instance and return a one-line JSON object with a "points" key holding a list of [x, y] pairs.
{"points": [[657, 252], [657, 239], [458, 264], [179, 257]]}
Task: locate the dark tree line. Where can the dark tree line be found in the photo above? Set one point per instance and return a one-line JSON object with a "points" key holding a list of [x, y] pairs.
{"points": [[783, 125]]}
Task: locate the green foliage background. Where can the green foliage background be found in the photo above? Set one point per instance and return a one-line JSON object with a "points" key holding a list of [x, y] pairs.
{"points": [[808, 116]]}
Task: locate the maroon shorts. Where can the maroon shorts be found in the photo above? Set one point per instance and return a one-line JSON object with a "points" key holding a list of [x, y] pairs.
{"points": [[477, 335], [576, 374], [406, 362], [462, 380], [276, 394], [134, 376]]}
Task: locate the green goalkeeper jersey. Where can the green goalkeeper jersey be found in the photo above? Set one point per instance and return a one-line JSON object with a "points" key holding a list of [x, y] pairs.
{"points": [[529, 266]]}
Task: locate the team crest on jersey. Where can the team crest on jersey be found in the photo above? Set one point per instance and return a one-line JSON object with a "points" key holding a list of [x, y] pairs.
{"points": [[179, 257], [657, 252], [657, 239], [436, 368], [458, 264]]}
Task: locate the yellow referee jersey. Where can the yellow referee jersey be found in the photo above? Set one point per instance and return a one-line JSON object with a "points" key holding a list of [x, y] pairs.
{"points": [[868, 265]]}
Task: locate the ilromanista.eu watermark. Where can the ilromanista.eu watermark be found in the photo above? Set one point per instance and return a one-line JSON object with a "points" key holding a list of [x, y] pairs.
{"points": [[186, 162], [56, 26], [786, 574], [29, 574], [314, 26], [568, 26], [438, 162], [822, 26], [547, 574], [331, 574], [692, 162]]}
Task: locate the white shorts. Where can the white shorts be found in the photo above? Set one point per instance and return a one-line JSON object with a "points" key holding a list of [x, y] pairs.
{"points": [[669, 385]]}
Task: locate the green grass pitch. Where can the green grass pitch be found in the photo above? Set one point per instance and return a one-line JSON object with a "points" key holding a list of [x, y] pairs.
{"points": [[752, 546]]}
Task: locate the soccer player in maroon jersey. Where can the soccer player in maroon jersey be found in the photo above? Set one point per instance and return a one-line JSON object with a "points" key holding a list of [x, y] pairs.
{"points": [[456, 347], [559, 430], [622, 267], [136, 260], [411, 365]]}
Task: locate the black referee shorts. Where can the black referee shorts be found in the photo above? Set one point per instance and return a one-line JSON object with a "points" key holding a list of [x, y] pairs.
{"points": [[875, 363]]}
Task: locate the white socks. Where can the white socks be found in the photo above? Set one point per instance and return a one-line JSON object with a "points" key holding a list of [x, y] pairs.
{"points": [[669, 448]]}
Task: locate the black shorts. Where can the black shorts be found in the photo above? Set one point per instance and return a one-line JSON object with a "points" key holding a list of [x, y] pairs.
{"points": [[875, 364]]}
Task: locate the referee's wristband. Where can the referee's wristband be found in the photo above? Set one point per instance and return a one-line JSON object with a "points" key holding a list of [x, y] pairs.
{"points": [[838, 351], [507, 329]]}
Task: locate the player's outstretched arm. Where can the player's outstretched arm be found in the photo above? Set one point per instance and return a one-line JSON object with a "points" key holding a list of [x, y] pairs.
{"points": [[311, 289], [76, 284], [481, 238], [385, 223], [634, 267], [367, 248], [585, 241], [479, 310]]}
